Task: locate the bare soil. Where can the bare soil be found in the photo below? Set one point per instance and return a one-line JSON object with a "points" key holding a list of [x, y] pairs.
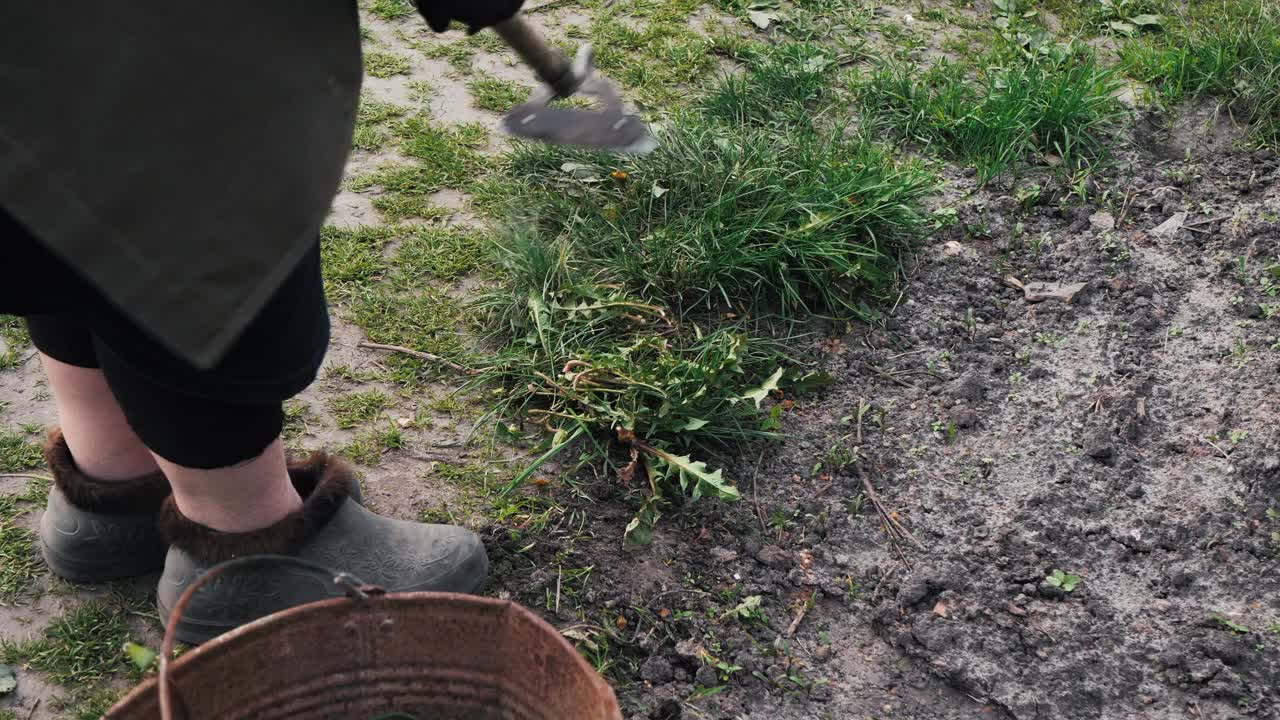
{"points": [[1128, 437]]}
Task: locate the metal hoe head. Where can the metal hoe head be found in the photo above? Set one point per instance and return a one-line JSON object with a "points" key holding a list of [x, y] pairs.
{"points": [[606, 128]]}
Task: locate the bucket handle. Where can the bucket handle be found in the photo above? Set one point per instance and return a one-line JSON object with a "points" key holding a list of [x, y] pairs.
{"points": [[354, 588]]}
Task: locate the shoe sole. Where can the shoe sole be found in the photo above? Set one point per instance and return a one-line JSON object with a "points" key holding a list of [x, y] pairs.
{"points": [[195, 632], [92, 573]]}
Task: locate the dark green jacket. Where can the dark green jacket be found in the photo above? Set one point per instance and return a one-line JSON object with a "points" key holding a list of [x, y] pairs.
{"points": [[181, 155]]}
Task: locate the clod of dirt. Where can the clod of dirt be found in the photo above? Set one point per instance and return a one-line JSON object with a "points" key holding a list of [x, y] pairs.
{"points": [[774, 557], [668, 709], [706, 677], [723, 555], [970, 387], [1098, 445], [657, 670], [1102, 220]]}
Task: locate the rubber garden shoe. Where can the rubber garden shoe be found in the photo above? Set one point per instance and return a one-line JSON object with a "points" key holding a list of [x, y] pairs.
{"points": [[95, 530], [331, 533]]}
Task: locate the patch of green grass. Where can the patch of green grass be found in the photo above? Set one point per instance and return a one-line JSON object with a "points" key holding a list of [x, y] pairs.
{"points": [[86, 703], [426, 319], [441, 253], [736, 218], [395, 207], [351, 257], [14, 331], [457, 54], [356, 408], [296, 417], [450, 158], [636, 296], [17, 453], [20, 564], [373, 115], [488, 41], [661, 58], [1015, 113], [1228, 50], [495, 94], [81, 647], [785, 84], [384, 64], [392, 9]]}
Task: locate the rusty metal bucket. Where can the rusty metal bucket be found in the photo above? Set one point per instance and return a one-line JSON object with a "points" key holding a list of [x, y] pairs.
{"points": [[427, 656]]}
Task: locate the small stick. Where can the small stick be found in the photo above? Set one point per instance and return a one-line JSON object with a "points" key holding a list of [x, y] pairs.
{"points": [[420, 355], [890, 376], [559, 577], [893, 528], [755, 495], [1207, 221], [799, 618]]}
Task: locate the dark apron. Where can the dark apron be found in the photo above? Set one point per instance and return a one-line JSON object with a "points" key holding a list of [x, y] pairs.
{"points": [[181, 156]]}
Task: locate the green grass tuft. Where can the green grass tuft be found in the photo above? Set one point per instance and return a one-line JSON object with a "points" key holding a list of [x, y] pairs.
{"points": [[384, 64], [371, 119], [440, 253], [353, 409], [450, 158], [17, 453], [784, 84], [1228, 50], [1013, 115], [495, 94], [20, 563], [395, 207], [81, 647], [392, 9], [352, 258]]}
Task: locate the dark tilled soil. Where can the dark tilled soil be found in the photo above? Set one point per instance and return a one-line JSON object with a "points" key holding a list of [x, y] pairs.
{"points": [[1128, 438]]}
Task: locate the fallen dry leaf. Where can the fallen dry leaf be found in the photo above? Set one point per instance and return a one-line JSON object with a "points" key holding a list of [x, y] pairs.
{"points": [[940, 609]]}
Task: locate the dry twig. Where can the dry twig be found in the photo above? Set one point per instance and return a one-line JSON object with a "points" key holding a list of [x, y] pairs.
{"points": [[421, 356]]}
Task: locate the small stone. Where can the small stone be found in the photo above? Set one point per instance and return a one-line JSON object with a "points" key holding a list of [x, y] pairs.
{"points": [[822, 653], [657, 670], [1102, 220], [1029, 589], [1135, 491], [844, 560], [723, 555], [774, 556], [706, 677]]}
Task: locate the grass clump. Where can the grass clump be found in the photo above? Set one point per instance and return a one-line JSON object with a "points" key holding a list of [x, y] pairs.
{"points": [[450, 158], [784, 84], [20, 564], [352, 258], [392, 9], [660, 56], [495, 94], [17, 453], [371, 119], [384, 64], [81, 647], [355, 408], [636, 296], [1009, 113], [442, 253], [1228, 50], [395, 207]]}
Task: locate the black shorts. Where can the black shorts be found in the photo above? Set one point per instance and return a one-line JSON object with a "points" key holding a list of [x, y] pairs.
{"points": [[228, 413]]}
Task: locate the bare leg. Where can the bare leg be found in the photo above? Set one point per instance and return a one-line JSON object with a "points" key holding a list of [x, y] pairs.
{"points": [[249, 496], [100, 439]]}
